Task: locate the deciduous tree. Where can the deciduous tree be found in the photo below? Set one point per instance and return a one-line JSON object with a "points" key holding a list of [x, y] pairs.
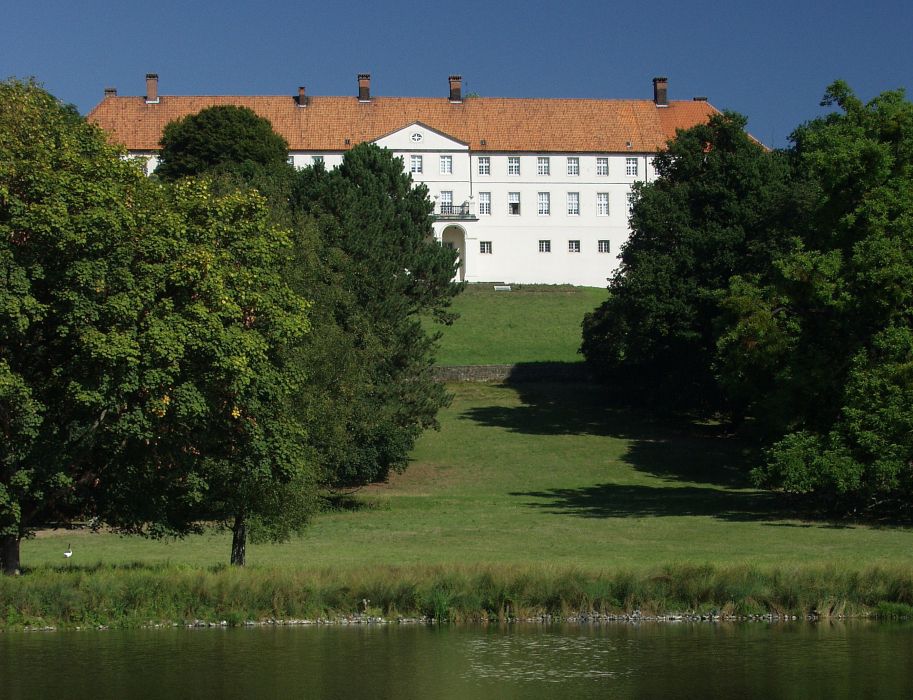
{"points": [[835, 351], [716, 209], [223, 138], [67, 315]]}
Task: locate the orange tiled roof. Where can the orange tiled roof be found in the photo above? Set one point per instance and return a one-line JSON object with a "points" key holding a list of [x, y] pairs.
{"points": [[505, 124]]}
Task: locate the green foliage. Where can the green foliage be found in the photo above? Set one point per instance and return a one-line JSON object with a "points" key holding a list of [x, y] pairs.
{"points": [[68, 215], [717, 209], [147, 342], [225, 138], [369, 259], [363, 253], [838, 349], [780, 287], [212, 433]]}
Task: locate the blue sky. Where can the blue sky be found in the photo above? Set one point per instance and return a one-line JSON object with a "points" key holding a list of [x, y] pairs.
{"points": [[769, 60]]}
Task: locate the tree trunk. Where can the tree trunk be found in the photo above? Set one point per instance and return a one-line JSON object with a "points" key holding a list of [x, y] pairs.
{"points": [[9, 554], [239, 541]]}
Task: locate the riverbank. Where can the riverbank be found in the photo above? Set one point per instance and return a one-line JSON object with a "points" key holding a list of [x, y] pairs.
{"points": [[140, 595]]}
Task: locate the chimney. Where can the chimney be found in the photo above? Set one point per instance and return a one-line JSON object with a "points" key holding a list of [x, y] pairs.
{"points": [[661, 92], [110, 92], [456, 88], [152, 88], [302, 97], [364, 87]]}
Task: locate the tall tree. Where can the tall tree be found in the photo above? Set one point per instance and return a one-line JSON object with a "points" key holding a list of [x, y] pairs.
{"points": [[715, 210], [147, 343], [68, 204], [378, 271], [834, 349], [365, 255], [212, 434], [223, 138]]}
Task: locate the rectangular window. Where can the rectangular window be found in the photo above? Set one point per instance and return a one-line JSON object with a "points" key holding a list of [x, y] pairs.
{"points": [[513, 203], [318, 159], [485, 247], [630, 202], [513, 165], [573, 246], [573, 166], [415, 164], [543, 167], [446, 202], [446, 165], [602, 204], [602, 166], [631, 166], [573, 203], [484, 165], [545, 246], [484, 203], [545, 204], [604, 247]]}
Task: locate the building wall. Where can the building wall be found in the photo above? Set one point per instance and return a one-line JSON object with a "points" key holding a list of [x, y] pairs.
{"points": [[503, 247]]}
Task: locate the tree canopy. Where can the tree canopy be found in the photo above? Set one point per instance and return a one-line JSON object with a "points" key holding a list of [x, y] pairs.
{"points": [[836, 313], [364, 253], [67, 220], [222, 138], [717, 209], [780, 287], [147, 343], [376, 270]]}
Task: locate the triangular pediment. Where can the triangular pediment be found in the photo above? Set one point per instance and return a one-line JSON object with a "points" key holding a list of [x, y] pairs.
{"points": [[420, 137]]}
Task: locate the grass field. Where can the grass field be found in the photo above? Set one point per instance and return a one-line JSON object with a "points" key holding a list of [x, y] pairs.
{"points": [[544, 475], [531, 323]]}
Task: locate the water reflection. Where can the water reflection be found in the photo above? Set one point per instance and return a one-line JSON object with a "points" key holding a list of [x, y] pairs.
{"points": [[851, 660], [545, 657]]}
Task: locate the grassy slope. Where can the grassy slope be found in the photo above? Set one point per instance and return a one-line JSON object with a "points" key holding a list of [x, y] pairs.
{"points": [[543, 476], [527, 324]]}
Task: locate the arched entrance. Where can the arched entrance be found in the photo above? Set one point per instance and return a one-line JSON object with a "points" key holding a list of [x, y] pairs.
{"points": [[455, 237]]}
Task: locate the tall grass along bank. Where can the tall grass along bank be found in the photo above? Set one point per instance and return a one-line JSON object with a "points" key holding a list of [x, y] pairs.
{"points": [[139, 595]]}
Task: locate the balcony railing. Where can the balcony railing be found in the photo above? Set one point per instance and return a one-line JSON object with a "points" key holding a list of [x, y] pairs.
{"points": [[447, 210]]}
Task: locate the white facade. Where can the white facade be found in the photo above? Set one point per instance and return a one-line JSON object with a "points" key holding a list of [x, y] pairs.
{"points": [[471, 198], [563, 232], [540, 244], [546, 242], [527, 190]]}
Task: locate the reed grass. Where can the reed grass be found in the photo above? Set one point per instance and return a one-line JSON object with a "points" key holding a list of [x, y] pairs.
{"points": [[138, 595]]}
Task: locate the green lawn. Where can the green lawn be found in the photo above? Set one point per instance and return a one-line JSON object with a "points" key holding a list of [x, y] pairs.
{"points": [[530, 323], [543, 475]]}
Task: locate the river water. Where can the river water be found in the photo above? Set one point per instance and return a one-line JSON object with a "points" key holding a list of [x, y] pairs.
{"points": [[649, 660]]}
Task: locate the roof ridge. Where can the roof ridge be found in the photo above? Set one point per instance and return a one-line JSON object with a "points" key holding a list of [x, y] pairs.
{"points": [[495, 124]]}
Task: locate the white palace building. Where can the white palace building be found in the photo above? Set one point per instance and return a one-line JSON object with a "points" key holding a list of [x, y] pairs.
{"points": [[528, 190]]}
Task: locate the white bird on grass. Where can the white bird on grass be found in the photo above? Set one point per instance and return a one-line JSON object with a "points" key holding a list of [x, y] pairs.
{"points": [[69, 552]]}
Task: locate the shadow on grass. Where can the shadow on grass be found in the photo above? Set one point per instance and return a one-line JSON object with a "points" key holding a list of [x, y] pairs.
{"points": [[705, 467], [672, 449], [622, 501]]}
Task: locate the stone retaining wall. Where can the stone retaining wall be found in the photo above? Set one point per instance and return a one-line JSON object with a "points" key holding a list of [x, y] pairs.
{"points": [[520, 372]]}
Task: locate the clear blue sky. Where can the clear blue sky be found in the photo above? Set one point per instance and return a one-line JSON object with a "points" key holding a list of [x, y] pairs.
{"points": [[769, 60]]}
